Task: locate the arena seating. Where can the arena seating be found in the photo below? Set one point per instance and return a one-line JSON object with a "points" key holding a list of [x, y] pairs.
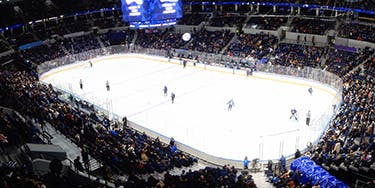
{"points": [[209, 41], [314, 26], [365, 5], [346, 149], [341, 62], [159, 39], [16, 168], [349, 140], [257, 45], [358, 32], [227, 20], [39, 55], [124, 148], [192, 19], [299, 55], [266, 23]]}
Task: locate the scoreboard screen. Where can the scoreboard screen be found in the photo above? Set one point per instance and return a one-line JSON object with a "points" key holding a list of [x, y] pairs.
{"points": [[151, 13]]}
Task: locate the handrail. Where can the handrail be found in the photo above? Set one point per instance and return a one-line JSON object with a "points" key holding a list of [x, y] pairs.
{"points": [[87, 175]]}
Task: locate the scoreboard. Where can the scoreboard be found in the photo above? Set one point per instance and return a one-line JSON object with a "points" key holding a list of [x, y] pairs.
{"points": [[151, 13]]}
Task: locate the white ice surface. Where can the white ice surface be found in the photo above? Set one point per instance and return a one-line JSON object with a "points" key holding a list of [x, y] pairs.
{"points": [[258, 125]]}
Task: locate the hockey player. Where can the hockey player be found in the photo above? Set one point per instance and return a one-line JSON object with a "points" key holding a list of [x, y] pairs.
{"points": [[230, 104], [107, 85], [308, 117], [184, 62], [90, 63], [310, 90], [294, 114], [165, 90], [172, 97], [249, 72], [80, 84]]}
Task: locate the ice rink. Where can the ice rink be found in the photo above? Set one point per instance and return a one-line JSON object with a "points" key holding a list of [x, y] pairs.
{"points": [[258, 126]]}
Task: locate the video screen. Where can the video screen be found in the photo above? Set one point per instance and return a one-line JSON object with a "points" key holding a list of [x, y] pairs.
{"points": [[151, 11]]}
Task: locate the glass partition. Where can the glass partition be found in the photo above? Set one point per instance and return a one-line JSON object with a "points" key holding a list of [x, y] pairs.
{"points": [[238, 65]]}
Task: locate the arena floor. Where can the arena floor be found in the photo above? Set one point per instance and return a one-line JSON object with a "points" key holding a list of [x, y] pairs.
{"points": [[258, 126]]}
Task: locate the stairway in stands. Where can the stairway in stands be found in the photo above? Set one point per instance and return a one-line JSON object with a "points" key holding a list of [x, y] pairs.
{"points": [[71, 149], [234, 39], [261, 180]]}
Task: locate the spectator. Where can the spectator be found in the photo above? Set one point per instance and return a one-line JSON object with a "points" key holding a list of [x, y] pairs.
{"points": [[85, 158], [297, 154], [282, 164], [78, 164], [246, 163]]}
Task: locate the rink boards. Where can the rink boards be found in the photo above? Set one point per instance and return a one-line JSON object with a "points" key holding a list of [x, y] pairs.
{"points": [[266, 148]]}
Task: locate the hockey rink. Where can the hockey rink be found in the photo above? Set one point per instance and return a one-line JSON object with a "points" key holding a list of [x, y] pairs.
{"points": [[258, 126]]}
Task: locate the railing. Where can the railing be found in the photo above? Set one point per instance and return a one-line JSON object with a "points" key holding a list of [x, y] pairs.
{"points": [[239, 66], [70, 164], [318, 75]]}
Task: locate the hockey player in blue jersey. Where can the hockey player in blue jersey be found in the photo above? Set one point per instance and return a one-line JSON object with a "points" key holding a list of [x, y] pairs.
{"points": [[172, 97], [80, 84], [107, 85], [165, 90], [310, 90], [294, 114], [230, 104]]}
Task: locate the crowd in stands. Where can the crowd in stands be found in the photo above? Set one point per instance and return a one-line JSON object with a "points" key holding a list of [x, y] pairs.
{"points": [[208, 177], [115, 37], [288, 179], [24, 38], [38, 54], [297, 55], [311, 26], [338, 61], [341, 62], [209, 41], [155, 38], [192, 19], [227, 20], [365, 5], [202, 40], [255, 45], [116, 145], [266, 23], [357, 32], [211, 177], [61, 47], [145, 156], [35, 10], [14, 131], [347, 148], [15, 175], [16, 168], [63, 26], [349, 140], [81, 44]]}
